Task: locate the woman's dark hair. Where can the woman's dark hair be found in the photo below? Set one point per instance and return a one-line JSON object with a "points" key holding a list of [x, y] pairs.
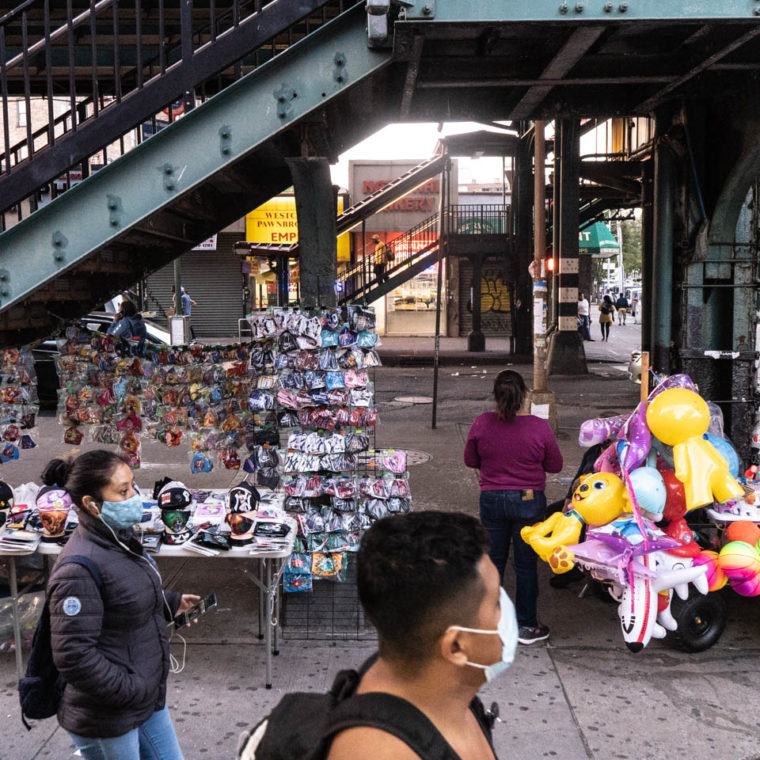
{"points": [[417, 574], [87, 475], [128, 309], [509, 391], [608, 298]]}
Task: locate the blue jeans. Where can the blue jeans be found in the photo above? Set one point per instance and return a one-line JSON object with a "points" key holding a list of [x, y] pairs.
{"points": [[154, 740], [504, 514]]}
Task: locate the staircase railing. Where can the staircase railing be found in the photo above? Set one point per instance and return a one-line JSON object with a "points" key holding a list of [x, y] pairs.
{"points": [[175, 52], [394, 255]]}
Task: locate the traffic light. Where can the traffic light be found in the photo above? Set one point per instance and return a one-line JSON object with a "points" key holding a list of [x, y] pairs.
{"points": [[550, 263]]}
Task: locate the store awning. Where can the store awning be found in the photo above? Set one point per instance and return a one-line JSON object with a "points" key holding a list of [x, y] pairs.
{"points": [[598, 241]]}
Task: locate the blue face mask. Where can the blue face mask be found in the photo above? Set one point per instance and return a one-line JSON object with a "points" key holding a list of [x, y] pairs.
{"points": [[507, 631], [120, 515]]}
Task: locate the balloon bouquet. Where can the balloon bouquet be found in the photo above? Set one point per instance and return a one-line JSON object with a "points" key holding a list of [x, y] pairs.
{"points": [[662, 463]]}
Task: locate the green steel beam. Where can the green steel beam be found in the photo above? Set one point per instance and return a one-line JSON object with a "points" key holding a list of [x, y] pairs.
{"points": [[186, 154], [458, 11]]}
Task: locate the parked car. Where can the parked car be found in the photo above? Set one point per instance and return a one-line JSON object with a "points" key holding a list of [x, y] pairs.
{"points": [[48, 351]]}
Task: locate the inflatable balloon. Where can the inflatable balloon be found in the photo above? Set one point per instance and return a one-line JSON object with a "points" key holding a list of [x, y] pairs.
{"points": [[679, 418], [649, 490], [674, 381], [664, 451], [636, 440], [747, 588], [716, 578], [739, 561], [675, 499], [600, 429], [608, 461], [598, 500], [716, 420], [726, 450], [743, 530]]}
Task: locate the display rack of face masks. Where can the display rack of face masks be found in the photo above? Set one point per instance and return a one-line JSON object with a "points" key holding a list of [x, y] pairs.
{"points": [[190, 395], [335, 482], [18, 404]]}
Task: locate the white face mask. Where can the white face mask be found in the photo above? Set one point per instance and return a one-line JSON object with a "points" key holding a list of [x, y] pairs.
{"points": [[507, 632]]}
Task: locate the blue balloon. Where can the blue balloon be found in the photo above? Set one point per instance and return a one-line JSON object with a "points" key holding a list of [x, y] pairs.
{"points": [[649, 489], [726, 450]]}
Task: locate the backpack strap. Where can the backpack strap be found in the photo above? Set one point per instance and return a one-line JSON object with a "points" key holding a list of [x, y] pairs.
{"points": [[86, 562], [395, 716]]}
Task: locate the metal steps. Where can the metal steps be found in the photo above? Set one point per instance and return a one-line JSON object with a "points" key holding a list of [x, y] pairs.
{"points": [[166, 195]]}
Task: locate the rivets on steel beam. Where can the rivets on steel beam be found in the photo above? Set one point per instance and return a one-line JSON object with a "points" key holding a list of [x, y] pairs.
{"points": [[579, 7], [60, 241], [339, 68], [608, 7], [564, 8], [225, 139], [5, 278], [756, 11], [115, 211], [284, 97], [427, 10], [170, 180], [623, 7]]}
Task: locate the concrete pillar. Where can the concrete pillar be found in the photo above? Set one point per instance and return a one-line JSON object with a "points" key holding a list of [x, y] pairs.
{"points": [[566, 353], [476, 340], [316, 209]]}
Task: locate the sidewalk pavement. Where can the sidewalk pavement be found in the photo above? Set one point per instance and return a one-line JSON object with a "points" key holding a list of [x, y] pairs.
{"points": [[580, 695]]}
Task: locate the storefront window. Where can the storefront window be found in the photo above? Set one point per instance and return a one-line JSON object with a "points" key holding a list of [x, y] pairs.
{"points": [[410, 308]]}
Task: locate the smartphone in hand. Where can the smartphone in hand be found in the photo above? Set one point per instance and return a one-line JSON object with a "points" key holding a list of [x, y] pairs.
{"points": [[191, 615]]}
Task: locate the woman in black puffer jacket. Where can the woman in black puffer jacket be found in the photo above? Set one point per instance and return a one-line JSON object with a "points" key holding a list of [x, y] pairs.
{"points": [[110, 643]]}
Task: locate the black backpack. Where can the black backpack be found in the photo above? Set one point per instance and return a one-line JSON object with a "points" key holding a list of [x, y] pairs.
{"points": [[41, 689], [303, 725], [605, 309]]}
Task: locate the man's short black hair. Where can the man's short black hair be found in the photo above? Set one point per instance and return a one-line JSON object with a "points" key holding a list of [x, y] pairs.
{"points": [[417, 575]]}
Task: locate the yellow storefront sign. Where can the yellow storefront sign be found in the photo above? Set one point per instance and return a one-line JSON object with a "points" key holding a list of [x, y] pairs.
{"points": [[276, 222]]}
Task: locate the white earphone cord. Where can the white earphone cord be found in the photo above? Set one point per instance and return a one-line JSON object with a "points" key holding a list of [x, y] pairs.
{"points": [[175, 666]]}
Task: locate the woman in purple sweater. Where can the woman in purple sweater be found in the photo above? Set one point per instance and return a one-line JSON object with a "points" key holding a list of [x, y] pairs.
{"points": [[513, 452]]}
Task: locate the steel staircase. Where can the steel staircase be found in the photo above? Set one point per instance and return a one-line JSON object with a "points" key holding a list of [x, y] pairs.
{"points": [[161, 198], [411, 253], [142, 65], [354, 215]]}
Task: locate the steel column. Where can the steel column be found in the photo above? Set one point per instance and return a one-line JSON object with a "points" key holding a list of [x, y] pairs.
{"points": [[316, 211], [475, 339], [662, 269], [566, 353]]}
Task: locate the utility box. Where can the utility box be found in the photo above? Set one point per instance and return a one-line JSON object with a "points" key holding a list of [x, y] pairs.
{"points": [[179, 330]]}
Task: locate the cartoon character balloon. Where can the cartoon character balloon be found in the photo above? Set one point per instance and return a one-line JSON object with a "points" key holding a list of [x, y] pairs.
{"points": [[598, 500], [679, 418]]}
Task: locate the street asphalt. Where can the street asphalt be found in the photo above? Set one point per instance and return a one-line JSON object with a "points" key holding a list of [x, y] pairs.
{"points": [[582, 694]]}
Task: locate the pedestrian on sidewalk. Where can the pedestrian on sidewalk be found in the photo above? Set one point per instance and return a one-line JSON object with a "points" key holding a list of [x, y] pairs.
{"points": [[584, 317], [108, 619], [622, 306], [606, 316], [444, 627], [513, 451]]}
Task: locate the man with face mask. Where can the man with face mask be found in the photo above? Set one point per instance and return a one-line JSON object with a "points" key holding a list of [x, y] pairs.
{"points": [[445, 627]]}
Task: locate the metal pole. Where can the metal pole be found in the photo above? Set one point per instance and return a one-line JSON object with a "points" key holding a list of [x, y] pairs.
{"points": [[539, 247], [442, 230], [621, 273], [177, 287], [13, 582]]}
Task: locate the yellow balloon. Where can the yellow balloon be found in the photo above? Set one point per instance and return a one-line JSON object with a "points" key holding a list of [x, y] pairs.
{"points": [[677, 415]]}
